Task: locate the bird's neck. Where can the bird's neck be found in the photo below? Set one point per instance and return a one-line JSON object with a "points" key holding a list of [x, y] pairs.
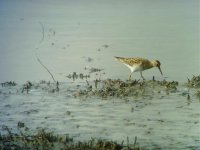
{"points": [[148, 65], [152, 64]]}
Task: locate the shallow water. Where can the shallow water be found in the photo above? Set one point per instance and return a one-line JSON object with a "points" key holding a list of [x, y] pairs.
{"points": [[70, 35], [73, 31], [166, 120]]}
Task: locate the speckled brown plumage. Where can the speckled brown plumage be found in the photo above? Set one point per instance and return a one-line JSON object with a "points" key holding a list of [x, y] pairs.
{"points": [[139, 64]]}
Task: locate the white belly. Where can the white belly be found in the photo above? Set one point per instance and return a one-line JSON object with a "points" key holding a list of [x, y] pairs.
{"points": [[134, 68]]}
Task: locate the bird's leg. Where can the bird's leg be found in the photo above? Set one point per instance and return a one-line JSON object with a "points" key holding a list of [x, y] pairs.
{"points": [[142, 75], [130, 76]]}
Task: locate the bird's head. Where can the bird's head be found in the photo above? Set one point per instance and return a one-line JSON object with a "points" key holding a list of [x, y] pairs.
{"points": [[157, 64]]}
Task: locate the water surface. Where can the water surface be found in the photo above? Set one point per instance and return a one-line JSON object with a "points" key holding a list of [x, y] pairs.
{"points": [[74, 30], [70, 35]]}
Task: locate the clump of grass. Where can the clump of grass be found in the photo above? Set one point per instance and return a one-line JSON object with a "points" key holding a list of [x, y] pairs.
{"points": [[45, 140], [194, 82], [118, 88], [48, 86], [198, 94], [27, 86], [75, 76], [8, 83]]}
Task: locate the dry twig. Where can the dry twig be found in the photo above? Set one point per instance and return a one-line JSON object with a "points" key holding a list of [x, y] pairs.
{"points": [[45, 68]]}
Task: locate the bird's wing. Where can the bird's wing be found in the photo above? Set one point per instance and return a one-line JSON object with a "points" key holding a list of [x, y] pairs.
{"points": [[130, 61]]}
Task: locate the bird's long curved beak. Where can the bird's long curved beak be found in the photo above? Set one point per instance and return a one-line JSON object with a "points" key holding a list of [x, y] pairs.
{"points": [[160, 70]]}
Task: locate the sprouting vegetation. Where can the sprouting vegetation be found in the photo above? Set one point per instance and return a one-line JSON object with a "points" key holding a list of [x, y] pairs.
{"points": [[75, 76], [194, 83], [133, 88], [8, 83], [198, 94], [48, 140]]}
